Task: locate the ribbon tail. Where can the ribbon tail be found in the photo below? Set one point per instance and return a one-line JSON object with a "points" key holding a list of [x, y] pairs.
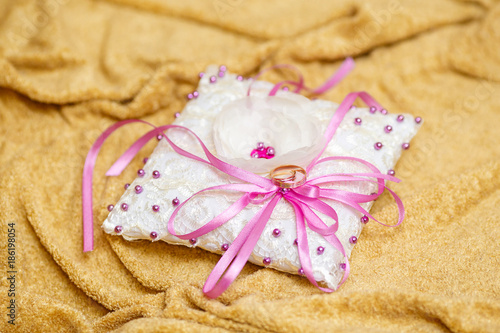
{"points": [[401, 208], [344, 69], [88, 171], [303, 247], [235, 258], [299, 85]]}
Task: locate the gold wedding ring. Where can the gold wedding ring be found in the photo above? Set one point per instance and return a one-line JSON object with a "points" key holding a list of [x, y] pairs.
{"points": [[288, 176]]}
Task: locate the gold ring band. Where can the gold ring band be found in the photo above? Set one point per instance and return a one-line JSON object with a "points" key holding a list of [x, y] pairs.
{"points": [[295, 176]]}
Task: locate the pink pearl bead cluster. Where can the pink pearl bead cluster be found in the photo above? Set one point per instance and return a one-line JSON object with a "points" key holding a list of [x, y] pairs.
{"points": [[213, 79], [138, 189], [220, 74], [387, 129], [320, 250], [193, 95], [353, 240], [262, 151]]}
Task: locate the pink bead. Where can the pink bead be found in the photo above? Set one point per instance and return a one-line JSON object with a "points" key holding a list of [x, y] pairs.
{"points": [[156, 174], [141, 172], [224, 247], [156, 208], [110, 208], [400, 118], [320, 250], [418, 120], [222, 68], [124, 207], [266, 261], [145, 160], [201, 74], [255, 155], [388, 129], [270, 151], [276, 232], [284, 191], [118, 229], [358, 121], [153, 235], [301, 271], [383, 111], [364, 219], [343, 266], [378, 145], [213, 79], [353, 240], [285, 88], [138, 189], [177, 114], [260, 146], [239, 78], [196, 94], [190, 96], [221, 74], [126, 186], [176, 202], [391, 172], [405, 145], [353, 107], [373, 109], [159, 137], [192, 241]]}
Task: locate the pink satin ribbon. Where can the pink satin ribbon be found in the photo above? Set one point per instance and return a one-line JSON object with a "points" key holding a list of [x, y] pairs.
{"points": [[332, 81], [256, 189]]}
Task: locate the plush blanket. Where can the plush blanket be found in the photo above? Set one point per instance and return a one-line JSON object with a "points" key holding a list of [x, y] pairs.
{"points": [[69, 69]]}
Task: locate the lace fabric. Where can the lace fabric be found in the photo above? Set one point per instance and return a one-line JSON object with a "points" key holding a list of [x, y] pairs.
{"points": [[182, 177]]}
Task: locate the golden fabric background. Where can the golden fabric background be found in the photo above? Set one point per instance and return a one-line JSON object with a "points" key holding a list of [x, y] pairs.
{"points": [[71, 68]]}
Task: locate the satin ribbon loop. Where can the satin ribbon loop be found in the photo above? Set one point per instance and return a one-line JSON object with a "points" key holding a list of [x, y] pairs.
{"points": [[308, 190], [345, 68], [317, 205], [314, 221]]}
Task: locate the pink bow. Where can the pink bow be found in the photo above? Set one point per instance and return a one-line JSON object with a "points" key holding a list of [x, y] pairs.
{"points": [[305, 199]]}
